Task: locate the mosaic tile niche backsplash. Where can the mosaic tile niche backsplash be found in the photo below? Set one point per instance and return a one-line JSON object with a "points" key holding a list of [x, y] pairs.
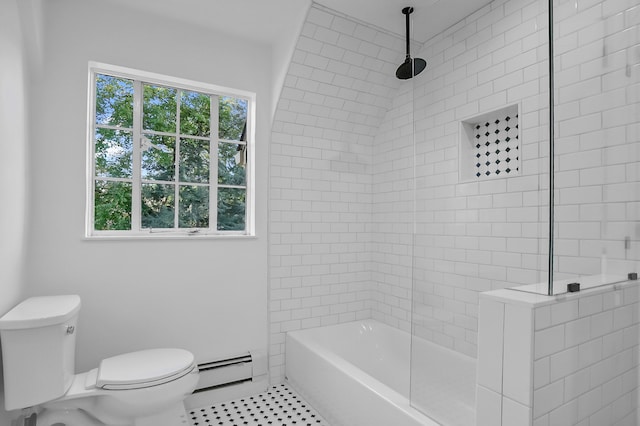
{"points": [[490, 145], [497, 147]]}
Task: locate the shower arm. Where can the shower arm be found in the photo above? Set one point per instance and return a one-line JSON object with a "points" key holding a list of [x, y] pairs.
{"points": [[407, 11]]}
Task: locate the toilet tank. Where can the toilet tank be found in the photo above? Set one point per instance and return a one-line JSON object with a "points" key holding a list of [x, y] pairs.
{"points": [[38, 339]]}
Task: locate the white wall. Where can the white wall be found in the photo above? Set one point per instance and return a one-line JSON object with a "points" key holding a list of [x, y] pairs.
{"points": [[13, 166], [13, 160], [208, 296]]}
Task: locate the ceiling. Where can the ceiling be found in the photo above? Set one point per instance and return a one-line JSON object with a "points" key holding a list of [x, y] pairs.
{"points": [[429, 18], [257, 20], [272, 20]]}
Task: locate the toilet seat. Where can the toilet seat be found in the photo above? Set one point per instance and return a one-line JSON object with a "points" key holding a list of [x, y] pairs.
{"points": [[143, 369]]}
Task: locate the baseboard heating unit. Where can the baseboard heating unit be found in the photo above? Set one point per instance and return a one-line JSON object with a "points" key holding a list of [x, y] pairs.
{"points": [[229, 378]]}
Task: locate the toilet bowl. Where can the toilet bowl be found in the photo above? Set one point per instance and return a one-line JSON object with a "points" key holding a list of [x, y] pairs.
{"points": [[127, 388], [141, 388]]}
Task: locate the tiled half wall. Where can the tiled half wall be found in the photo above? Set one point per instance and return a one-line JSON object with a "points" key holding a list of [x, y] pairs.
{"points": [[565, 360]]}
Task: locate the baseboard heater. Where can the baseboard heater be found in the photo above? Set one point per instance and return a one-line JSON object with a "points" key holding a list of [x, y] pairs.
{"points": [[248, 367]]}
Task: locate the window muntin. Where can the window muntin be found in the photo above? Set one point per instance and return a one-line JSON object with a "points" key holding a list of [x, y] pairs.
{"points": [[151, 144]]}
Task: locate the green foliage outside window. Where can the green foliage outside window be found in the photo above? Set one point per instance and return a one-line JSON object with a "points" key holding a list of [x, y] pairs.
{"points": [[112, 205], [173, 138]]}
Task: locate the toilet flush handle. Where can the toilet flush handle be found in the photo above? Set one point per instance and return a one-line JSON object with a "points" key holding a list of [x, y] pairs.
{"points": [[70, 329]]}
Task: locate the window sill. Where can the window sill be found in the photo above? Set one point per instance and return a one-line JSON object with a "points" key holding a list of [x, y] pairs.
{"points": [[168, 236]]}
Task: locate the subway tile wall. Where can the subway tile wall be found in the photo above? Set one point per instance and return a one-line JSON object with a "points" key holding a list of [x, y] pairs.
{"points": [[471, 236], [344, 167], [586, 360], [339, 86], [478, 236], [598, 136], [392, 212]]}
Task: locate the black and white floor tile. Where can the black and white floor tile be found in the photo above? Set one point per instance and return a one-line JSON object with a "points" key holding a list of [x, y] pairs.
{"points": [[280, 405]]}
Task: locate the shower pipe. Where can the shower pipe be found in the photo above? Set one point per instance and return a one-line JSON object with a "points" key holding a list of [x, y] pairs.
{"points": [[551, 151]]}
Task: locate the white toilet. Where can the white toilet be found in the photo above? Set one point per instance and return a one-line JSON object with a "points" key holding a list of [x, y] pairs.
{"points": [[135, 389]]}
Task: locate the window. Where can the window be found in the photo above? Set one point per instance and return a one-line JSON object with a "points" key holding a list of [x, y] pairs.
{"points": [[154, 143]]}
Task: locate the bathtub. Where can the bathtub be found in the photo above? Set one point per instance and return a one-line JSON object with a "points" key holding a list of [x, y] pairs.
{"points": [[355, 374]]}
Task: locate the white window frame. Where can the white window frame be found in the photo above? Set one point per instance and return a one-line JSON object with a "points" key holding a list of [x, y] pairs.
{"points": [[179, 83]]}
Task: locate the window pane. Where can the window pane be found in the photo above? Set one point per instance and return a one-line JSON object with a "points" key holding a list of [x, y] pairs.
{"points": [[112, 206], [114, 101], [231, 209], [194, 160], [158, 157], [231, 161], [114, 153], [232, 118], [159, 109], [194, 207], [195, 114], [157, 205]]}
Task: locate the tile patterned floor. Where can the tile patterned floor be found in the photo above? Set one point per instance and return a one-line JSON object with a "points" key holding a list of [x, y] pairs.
{"points": [[280, 405]]}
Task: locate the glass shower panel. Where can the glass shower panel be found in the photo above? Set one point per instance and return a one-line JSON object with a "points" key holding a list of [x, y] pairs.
{"points": [[481, 184], [597, 200], [597, 148]]}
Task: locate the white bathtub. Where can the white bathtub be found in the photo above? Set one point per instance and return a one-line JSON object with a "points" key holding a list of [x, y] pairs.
{"points": [[354, 374]]}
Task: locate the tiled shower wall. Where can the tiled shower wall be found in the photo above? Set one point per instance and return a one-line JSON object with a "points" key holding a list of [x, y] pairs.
{"points": [[470, 236], [477, 236], [343, 157], [338, 88], [392, 213]]}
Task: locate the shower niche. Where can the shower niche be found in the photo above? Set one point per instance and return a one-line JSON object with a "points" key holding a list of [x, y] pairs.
{"points": [[490, 145]]}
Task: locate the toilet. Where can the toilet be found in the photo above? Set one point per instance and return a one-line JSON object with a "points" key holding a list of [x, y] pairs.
{"points": [[141, 388]]}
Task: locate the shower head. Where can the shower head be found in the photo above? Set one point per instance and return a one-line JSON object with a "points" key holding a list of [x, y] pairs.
{"points": [[410, 67]]}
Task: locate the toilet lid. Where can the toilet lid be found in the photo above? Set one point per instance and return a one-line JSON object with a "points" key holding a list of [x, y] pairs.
{"points": [[144, 368]]}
